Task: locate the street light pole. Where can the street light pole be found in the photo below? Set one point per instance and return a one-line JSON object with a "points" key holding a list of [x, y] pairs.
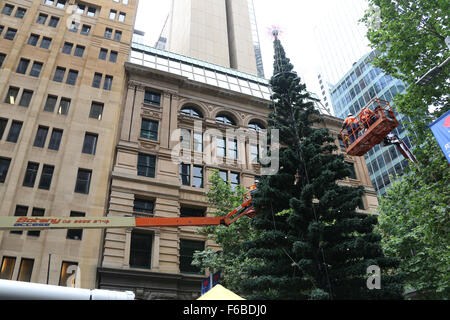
{"points": [[431, 74]]}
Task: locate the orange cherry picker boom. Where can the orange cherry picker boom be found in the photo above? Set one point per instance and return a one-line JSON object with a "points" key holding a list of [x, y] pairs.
{"points": [[376, 122], [46, 223]]}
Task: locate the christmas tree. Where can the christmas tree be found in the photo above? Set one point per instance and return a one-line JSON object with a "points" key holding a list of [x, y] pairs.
{"points": [[312, 242]]}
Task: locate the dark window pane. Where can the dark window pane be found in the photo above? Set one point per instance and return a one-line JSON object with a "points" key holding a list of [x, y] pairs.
{"points": [[187, 249], [152, 97], [33, 40], [3, 123], [197, 177], [25, 270], [53, 22], [14, 131], [67, 48], [36, 69], [64, 106], [45, 43], [20, 13], [41, 18], [149, 129], [191, 212], [108, 33], [103, 53], [41, 136], [72, 77], [75, 234], [2, 59], [97, 80], [46, 177], [26, 98], [113, 56], [83, 181], [79, 51], [59, 74], [185, 174], [90, 143], [23, 66], [10, 34], [118, 35], [146, 165], [141, 250], [96, 110], [7, 9], [4, 167], [85, 30], [7, 267], [12, 94], [144, 206], [55, 139], [108, 82], [30, 174]]}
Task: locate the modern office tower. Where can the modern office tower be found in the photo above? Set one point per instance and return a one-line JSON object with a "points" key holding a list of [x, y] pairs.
{"points": [[359, 85], [166, 91], [61, 93], [341, 39], [221, 32]]}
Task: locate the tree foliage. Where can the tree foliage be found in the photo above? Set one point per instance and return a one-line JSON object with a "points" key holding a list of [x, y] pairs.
{"points": [[410, 39]]}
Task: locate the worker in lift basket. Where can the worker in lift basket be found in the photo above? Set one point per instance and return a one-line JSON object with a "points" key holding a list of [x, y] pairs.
{"points": [[367, 117], [352, 125]]}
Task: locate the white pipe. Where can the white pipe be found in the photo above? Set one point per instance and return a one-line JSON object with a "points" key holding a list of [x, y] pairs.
{"points": [[16, 290]]}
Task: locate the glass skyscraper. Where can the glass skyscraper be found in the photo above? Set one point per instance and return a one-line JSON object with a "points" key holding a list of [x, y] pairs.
{"points": [[358, 86]]}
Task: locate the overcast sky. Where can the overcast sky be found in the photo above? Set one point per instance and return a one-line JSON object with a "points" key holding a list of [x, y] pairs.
{"points": [[295, 18]]}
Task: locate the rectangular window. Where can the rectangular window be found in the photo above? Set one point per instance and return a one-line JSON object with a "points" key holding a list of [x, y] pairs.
{"points": [[83, 181], [149, 129], [21, 211], [122, 17], [46, 42], [185, 174], [108, 33], [14, 131], [7, 269], [55, 139], [53, 22], [224, 175], [143, 206], [91, 12], [41, 136], [68, 269], [26, 98], [85, 30], [59, 74], [74, 27], [46, 177], [50, 103], [112, 56], [25, 270], [254, 153], [108, 82], [3, 123], [30, 174], [96, 82], [72, 77], [141, 250], [221, 147], [187, 249], [4, 167], [90, 143], [146, 165], [198, 142], [117, 35], [234, 180], [75, 234], [23, 66], [10, 34], [96, 110], [79, 51], [64, 106], [36, 69], [191, 212], [20, 13], [197, 181], [33, 39], [112, 14], [351, 166], [67, 48], [12, 94], [233, 149], [103, 53], [37, 212], [152, 97], [61, 4], [2, 59], [7, 9]]}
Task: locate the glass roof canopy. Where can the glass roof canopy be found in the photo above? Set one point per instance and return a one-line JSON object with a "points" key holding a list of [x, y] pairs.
{"points": [[200, 71]]}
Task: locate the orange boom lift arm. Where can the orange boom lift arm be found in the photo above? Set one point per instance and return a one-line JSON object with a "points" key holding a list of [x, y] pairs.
{"points": [[46, 223]]}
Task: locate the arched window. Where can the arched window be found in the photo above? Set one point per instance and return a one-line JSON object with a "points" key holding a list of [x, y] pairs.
{"points": [[255, 126], [225, 119], [191, 111]]}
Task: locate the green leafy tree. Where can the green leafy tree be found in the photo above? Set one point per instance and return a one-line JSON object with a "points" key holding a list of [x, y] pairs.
{"points": [[231, 260], [410, 39], [312, 242]]}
